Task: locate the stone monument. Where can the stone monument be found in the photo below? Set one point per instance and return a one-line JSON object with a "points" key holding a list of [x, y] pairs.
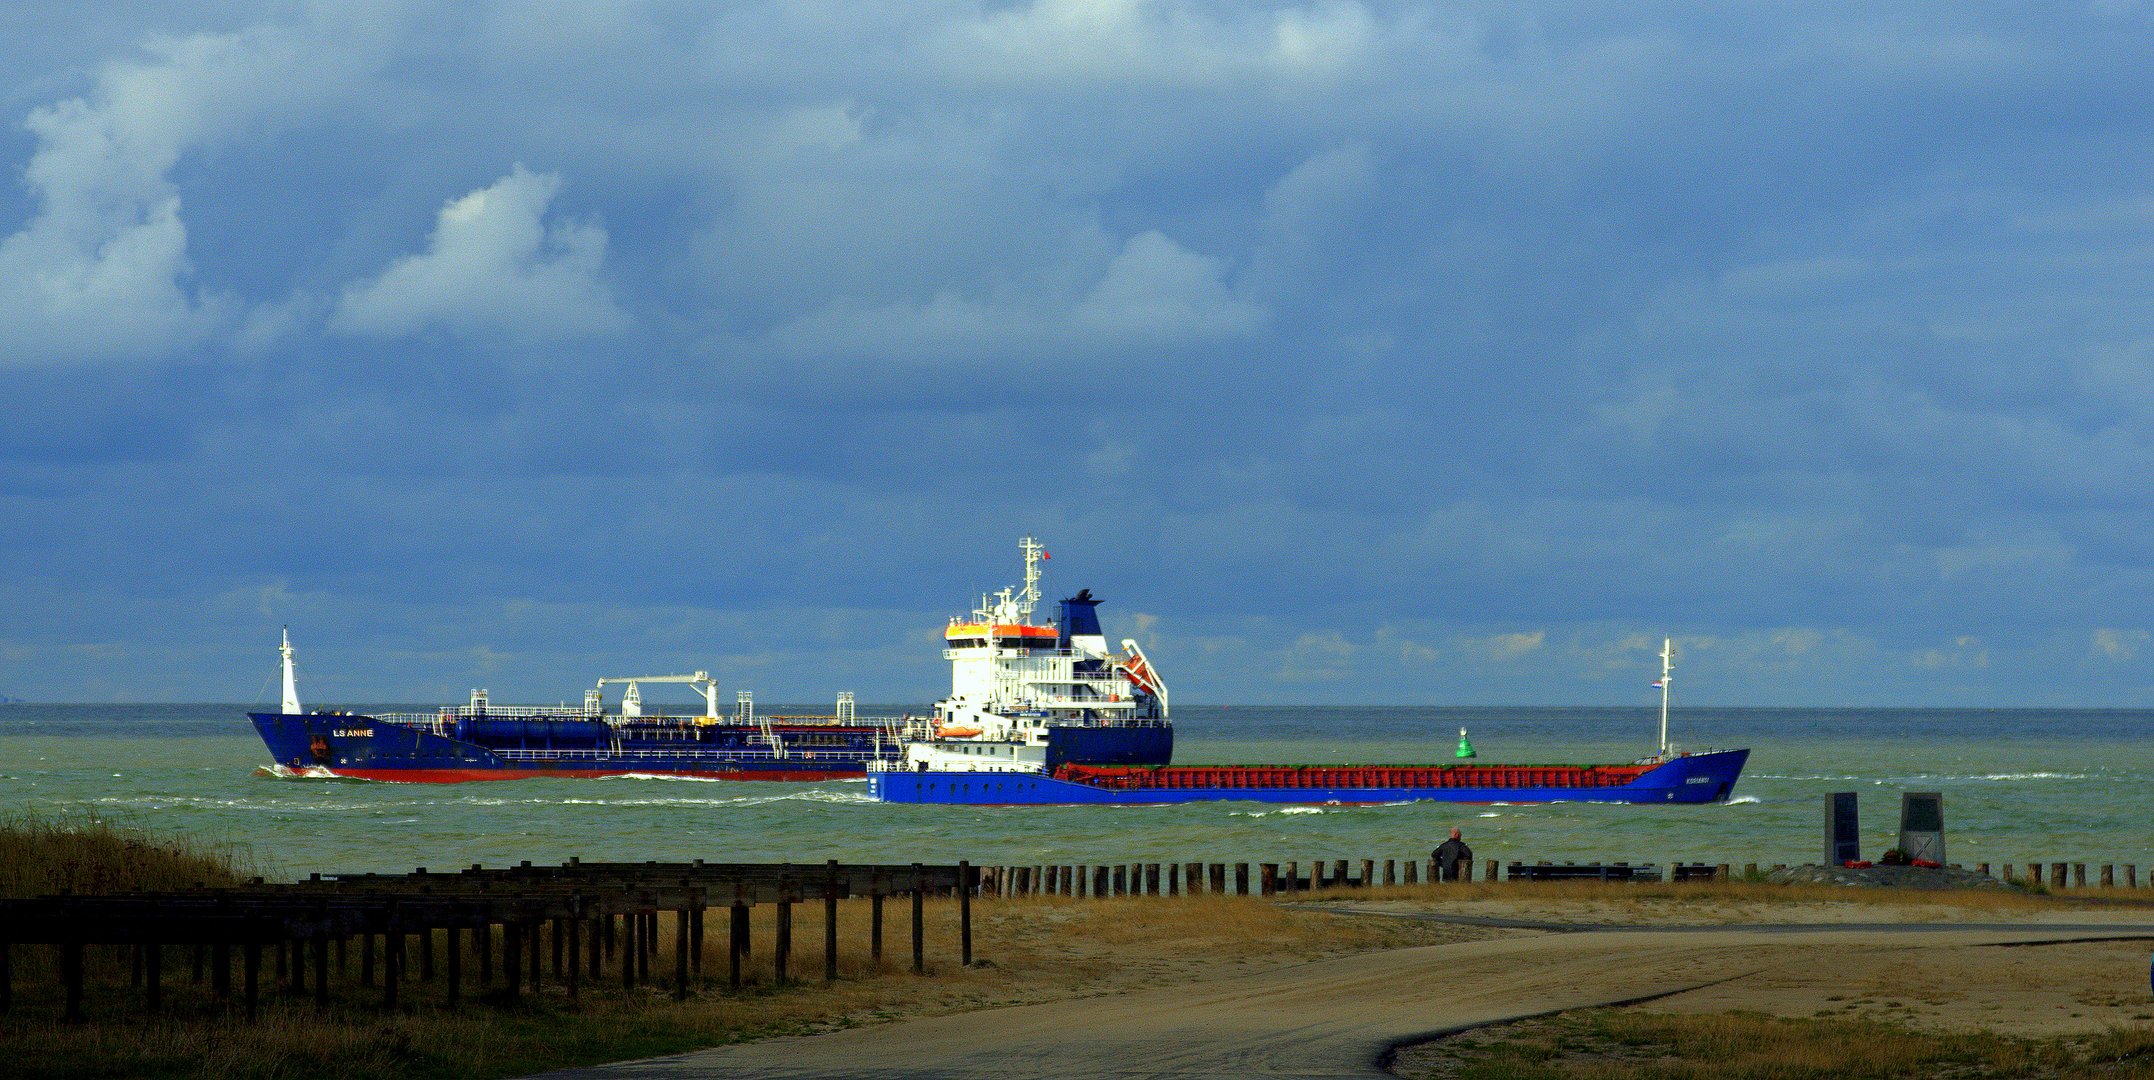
{"points": [[1922, 825], [1843, 835]]}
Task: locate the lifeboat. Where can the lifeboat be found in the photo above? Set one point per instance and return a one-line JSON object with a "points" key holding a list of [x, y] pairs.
{"points": [[953, 732]]}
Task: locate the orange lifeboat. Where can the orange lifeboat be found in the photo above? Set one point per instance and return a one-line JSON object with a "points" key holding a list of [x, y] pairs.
{"points": [[944, 732]]}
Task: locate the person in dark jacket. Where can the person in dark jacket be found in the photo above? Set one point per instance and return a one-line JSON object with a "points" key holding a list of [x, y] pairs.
{"points": [[1451, 856]]}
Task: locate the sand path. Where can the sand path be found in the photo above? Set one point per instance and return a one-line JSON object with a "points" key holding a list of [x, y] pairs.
{"points": [[1330, 1018]]}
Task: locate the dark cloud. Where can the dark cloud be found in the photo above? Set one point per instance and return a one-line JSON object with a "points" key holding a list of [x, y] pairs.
{"points": [[1366, 351]]}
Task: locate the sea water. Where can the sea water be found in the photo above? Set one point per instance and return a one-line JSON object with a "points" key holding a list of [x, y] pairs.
{"points": [[2019, 786]]}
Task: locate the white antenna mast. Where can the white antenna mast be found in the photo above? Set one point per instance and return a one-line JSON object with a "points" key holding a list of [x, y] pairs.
{"points": [[291, 678], [1667, 669], [1030, 598]]}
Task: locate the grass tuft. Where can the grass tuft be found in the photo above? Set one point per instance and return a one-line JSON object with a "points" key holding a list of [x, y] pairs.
{"points": [[89, 855]]}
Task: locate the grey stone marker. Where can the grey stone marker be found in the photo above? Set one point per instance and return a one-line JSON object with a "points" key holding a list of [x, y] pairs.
{"points": [[1843, 833], [1922, 825]]}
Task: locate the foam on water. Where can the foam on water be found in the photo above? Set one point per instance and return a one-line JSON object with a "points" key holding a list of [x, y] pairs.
{"points": [[2019, 786]]}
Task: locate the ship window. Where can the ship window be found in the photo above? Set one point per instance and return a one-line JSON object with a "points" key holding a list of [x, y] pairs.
{"points": [[967, 643]]}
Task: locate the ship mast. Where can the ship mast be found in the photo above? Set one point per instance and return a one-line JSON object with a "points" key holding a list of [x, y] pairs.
{"points": [[1030, 598], [291, 678], [1667, 668]]}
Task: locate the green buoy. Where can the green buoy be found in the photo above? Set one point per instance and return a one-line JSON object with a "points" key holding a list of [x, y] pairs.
{"points": [[1465, 749]]}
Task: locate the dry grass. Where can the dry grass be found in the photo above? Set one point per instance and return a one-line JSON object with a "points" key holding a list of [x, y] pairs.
{"points": [[1641, 1045], [91, 855]]}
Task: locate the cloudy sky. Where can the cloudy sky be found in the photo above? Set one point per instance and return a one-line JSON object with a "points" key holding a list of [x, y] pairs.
{"points": [[1355, 352]]}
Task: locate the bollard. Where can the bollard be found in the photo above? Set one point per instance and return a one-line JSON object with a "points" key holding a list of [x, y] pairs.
{"points": [[919, 898], [71, 980], [1338, 874], [512, 958], [1491, 875], [782, 950], [1241, 879], [1368, 873], [1099, 882], [250, 962], [1391, 872], [1316, 874], [1151, 879], [680, 954], [2109, 876], [596, 949], [1720, 872], [1216, 877], [2079, 875], [1192, 876], [1413, 871], [875, 924], [1982, 869], [964, 912], [736, 942], [153, 978], [831, 889], [1120, 876], [1174, 879], [1293, 877], [2056, 875], [1268, 879]]}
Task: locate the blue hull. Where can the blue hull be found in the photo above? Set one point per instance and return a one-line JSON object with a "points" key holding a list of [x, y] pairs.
{"points": [[1698, 778], [567, 746]]}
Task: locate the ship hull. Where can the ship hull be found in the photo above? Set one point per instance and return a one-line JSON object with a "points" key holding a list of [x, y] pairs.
{"points": [[1691, 779], [364, 747]]}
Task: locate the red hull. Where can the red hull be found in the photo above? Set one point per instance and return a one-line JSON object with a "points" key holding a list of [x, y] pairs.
{"points": [[457, 776]]}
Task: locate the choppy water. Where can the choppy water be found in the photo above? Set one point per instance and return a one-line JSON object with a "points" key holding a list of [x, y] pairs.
{"points": [[2019, 785]]}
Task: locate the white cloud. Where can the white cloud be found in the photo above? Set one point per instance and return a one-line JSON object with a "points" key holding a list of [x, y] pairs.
{"points": [[1157, 290], [1505, 646], [1320, 656], [101, 270], [2114, 644], [492, 266], [1137, 41], [1152, 293]]}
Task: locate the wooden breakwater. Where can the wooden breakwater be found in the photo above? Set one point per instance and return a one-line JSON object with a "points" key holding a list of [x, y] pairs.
{"points": [[492, 930], [603, 920], [1274, 878]]}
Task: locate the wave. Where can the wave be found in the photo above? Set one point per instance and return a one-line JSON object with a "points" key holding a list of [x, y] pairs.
{"points": [[1743, 800], [311, 772]]}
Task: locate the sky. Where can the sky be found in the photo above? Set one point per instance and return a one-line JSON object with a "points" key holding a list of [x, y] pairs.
{"points": [[1354, 352]]}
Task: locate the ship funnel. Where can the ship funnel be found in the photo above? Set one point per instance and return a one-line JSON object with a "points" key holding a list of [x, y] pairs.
{"points": [[1080, 619]]}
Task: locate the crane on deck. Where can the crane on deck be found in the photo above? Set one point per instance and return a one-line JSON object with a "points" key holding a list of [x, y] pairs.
{"points": [[632, 700]]}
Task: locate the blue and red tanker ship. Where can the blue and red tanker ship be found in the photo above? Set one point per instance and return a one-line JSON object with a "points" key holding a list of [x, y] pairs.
{"points": [[1078, 702]]}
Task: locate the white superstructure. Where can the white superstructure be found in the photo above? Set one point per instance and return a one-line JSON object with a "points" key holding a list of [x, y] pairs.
{"points": [[1013, 678]]}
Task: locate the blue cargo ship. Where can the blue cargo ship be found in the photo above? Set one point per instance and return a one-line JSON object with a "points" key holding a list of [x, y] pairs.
{"points": [[1009, 770], [1057, 684]]}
